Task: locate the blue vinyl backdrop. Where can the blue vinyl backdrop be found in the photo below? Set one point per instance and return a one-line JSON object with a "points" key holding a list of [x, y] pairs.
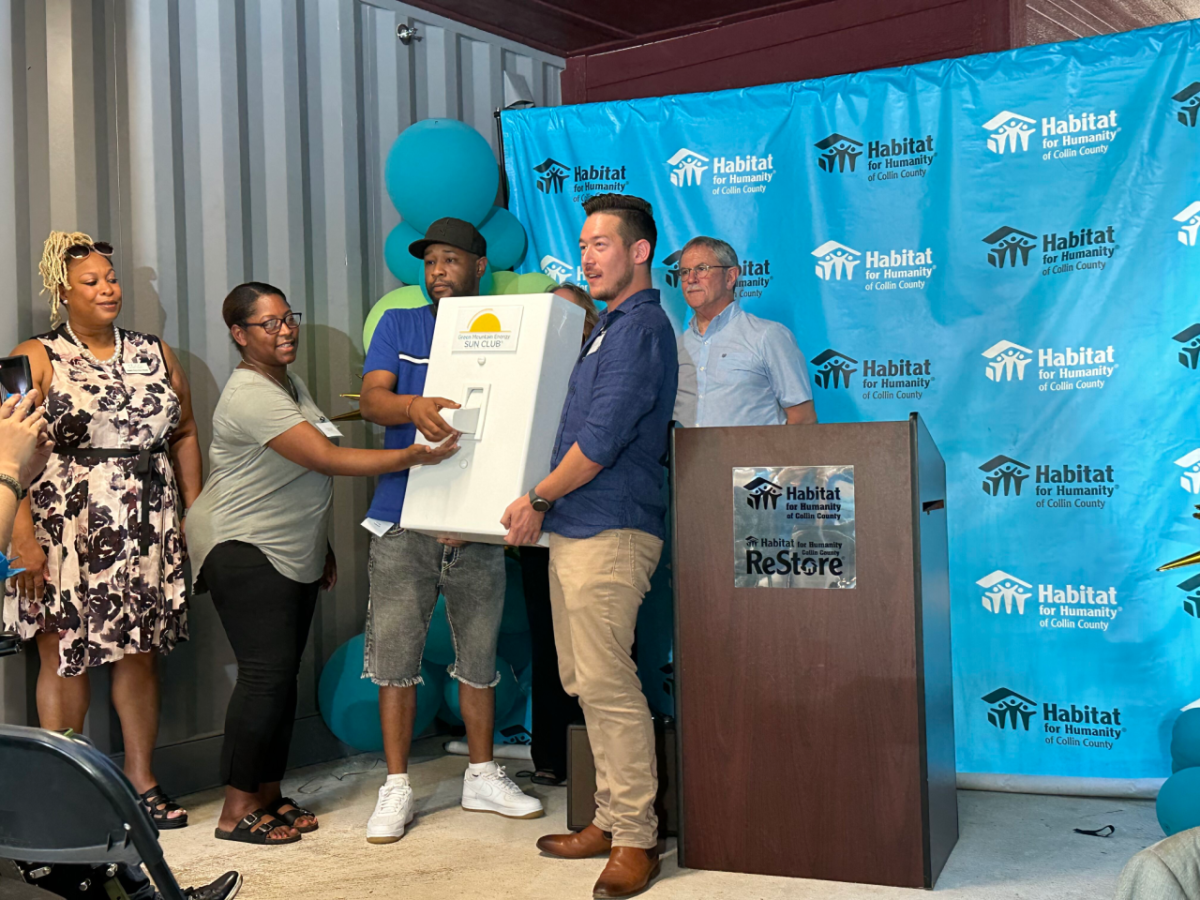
{"points": [[1006, 244]]}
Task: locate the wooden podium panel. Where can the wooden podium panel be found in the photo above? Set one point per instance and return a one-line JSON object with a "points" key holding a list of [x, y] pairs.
{"points": [[816, 733]]}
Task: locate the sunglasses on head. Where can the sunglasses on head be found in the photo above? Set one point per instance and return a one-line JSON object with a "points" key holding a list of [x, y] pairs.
{"points": [[82, 251]]}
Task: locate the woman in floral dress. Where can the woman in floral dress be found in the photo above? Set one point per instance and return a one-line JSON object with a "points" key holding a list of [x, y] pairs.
{"points": [[101, 533]]}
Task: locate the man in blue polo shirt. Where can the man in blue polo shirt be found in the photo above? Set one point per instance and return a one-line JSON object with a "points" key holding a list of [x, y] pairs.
{"points": [[603, 506], [408, 570], [734, 368]]}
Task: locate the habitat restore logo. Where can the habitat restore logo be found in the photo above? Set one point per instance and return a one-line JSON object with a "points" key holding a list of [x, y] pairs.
{"points": [[493, 329], [741, 173], [1067, 135], [1063, 724], [1060, 487], [1088, 608], [1058, 369]]}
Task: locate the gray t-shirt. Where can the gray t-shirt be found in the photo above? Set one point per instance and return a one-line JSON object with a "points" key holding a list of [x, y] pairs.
{"points": [[255, 495]]}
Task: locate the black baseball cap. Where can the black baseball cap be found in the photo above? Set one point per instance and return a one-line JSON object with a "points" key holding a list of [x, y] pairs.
{"points": [[454, 232]]}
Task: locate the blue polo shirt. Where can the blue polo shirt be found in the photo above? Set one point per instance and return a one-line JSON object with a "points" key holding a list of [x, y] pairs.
{"points": [[400, 345], [618, 407]]}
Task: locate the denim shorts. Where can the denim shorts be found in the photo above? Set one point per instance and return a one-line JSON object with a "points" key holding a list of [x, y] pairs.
{"points": [[407, 571]]}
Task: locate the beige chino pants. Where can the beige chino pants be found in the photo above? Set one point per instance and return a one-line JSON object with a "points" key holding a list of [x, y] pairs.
{"points": [[596, 587]]}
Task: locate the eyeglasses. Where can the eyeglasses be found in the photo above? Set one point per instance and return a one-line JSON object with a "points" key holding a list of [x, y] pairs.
{"points": [[82, 251], [272, 326], [701, 270]]}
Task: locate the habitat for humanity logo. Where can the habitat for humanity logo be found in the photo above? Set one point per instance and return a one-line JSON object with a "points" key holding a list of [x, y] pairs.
{"points": [[763, 494], [1066, 136], [1009, 132], [1008, 709], [746, 173], [1071, 606], [1068, 369], [884, 270], [589, 178], [1063, 724], [1189, 353], [552, 175], [833, 369], [1003, 591], [1188, 101], [1189, 220], [888, 158], [1076, 250], [1078, 485], [1191, 603], [1190, 479], [561, 270]]}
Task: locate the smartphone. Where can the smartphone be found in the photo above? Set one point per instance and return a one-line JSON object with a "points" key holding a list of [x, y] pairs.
{"points": [[15, 376]]}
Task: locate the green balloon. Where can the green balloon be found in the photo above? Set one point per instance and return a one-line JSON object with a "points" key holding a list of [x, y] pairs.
{"points": [[408, 297], [504, 282], [535, 283]]}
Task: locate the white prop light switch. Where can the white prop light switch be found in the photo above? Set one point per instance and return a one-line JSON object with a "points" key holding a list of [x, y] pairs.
{"points": [[507, 360]]}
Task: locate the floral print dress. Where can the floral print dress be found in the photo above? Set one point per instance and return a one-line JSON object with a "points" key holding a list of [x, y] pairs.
{"points": [[104, 596]]}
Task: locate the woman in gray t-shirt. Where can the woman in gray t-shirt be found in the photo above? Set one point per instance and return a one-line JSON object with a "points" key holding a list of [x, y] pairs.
{"points": [[258, 543]]}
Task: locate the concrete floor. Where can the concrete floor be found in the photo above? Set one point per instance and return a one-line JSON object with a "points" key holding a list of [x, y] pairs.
{"points": [[1011, 846]]}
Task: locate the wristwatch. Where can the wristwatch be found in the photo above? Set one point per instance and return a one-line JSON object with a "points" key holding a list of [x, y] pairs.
{"points": [[15, 486], [539, 504]]}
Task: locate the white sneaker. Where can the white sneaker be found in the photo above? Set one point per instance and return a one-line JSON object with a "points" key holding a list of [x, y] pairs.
{"points": [[495, 792], [393, 810]]}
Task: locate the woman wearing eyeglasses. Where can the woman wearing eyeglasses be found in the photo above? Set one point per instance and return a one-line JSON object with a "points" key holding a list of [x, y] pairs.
{"points": [[258, 540], [100, 534]]}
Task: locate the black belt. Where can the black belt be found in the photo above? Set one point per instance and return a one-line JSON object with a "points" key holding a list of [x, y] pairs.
{"points": [[143, 470]]}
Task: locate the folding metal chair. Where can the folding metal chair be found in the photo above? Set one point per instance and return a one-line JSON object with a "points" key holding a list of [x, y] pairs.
{"points": [[63, 801]]}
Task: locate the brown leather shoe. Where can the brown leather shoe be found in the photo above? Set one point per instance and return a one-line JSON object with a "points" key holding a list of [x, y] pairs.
{"points": [[577, 845], [629, 871]]}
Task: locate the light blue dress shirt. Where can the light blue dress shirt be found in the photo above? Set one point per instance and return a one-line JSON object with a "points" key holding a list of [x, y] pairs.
{"points": [[742, 371]]}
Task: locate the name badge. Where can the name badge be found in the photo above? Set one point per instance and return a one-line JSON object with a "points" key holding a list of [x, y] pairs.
{"points": [[596, 343], [377, 527], [329, 429], [138, 367]]}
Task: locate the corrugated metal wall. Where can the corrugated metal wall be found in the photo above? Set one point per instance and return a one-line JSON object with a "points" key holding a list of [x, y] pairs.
{"points": [[214, 141]]}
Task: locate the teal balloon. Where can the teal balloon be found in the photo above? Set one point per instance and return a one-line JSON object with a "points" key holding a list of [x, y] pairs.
{"points": [[399, 261], [514, 620], [505, 236], [1178, 804], [439, 642], [349, 703], [517, 726], [450, 711], [508, 692], [487, 283], [517, 649], [1185, 741], [438, 168], [525, 680]]}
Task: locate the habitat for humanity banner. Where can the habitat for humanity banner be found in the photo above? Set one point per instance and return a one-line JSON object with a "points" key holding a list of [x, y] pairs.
{"points": [[1006, 244]]}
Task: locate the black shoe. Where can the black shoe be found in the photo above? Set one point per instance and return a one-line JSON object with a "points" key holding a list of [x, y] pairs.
{"points": [[224, 888]]}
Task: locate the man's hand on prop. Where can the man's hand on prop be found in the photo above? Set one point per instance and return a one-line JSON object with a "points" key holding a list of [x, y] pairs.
{"points": [[425, 414], [524, 523]]}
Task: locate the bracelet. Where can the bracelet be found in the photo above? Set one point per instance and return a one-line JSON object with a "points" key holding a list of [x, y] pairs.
{"points": [[15, 486], [407, 408]]}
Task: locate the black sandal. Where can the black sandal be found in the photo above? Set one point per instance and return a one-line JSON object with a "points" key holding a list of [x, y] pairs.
{"points": [[292, 815], [160, 806], [548, 777], [244, 832]]}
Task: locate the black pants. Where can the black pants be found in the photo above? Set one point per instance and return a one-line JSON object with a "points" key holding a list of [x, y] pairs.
{"points": [[267, 617], [553, 708]]}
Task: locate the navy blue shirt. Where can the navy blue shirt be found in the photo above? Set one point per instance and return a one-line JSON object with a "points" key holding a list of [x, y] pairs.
{"points": [[618, 407], [400, 345]]}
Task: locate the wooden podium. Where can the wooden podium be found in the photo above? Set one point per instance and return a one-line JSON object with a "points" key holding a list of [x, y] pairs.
{"points": [[815, 725]]}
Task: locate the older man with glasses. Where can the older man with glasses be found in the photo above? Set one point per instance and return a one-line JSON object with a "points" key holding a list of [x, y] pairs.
{"points": [[734, 368]]}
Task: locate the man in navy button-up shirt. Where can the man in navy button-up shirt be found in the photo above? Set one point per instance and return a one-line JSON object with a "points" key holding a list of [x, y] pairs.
{"points": [[602, 505]]}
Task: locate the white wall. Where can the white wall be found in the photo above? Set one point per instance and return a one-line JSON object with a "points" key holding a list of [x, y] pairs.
{"points": [[214, 141]]}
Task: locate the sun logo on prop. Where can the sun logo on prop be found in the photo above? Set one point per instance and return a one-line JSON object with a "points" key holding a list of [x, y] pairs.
{"points": [[486, 322]]}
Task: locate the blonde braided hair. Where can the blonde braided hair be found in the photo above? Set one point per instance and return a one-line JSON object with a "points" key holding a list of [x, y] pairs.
{"points": [[54, 267]]}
